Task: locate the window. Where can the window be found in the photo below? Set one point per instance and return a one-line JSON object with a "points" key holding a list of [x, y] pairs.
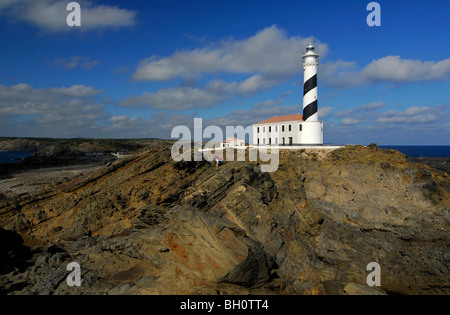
{"points": [[258, 140], [284, 141], [276, 128], [270, 129], [270, 140], [258, 130], [282, 128], [264, 129], [276, 140], [290, 128], [300, 127], [264, 140]]}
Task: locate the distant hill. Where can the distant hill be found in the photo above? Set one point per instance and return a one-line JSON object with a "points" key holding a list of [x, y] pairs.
{"points": [[81, 145]]}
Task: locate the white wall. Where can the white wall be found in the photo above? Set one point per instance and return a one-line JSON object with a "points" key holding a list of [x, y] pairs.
{"points": [[264, 133]]}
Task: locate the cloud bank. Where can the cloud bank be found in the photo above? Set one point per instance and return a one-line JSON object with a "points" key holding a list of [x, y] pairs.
{"points": [[51, 15], [389, 69], [270, 52], [265, 60]]}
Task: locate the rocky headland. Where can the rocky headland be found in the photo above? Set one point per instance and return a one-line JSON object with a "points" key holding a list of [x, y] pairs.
{"points": [[65, 152], [148, 225]]}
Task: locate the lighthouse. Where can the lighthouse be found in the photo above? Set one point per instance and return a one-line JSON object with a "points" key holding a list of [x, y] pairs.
{"points": [[296, 129], [312, 128]]}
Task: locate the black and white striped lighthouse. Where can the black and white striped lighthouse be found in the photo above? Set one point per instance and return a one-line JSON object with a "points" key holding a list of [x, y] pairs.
{"points": [[312, 128]]}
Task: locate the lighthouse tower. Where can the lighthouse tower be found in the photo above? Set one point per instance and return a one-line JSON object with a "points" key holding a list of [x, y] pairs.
{"points": [[312, 128]]}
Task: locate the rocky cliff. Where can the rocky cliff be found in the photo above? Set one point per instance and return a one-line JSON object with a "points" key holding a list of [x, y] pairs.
{"points": [[149, 225]]}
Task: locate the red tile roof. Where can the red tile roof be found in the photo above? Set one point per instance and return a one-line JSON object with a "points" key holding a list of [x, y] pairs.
{"points": [[230, 140], [277, 119]]}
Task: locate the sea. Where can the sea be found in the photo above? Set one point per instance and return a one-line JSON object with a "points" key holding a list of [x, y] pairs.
{"points": [[12, 157], [421, 150]]}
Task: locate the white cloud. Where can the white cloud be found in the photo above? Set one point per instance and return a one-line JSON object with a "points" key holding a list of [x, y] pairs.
{"points": [[410, 118], [74, 62], [23, 99], [160, 125], [268, 58], [270, 53], [330, 71], [361, 109], [396, 69], [124, 123], [51, 112], [51, 15], [176, 98], [416, 110], [72, 112], [257, 83], [389, 69], [416, 115], [350, 121], [411, 115], [78, 91], [182, 98]]}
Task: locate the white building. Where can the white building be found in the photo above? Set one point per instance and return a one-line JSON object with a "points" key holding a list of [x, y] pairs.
{"points": [[279, 130], [232, 143], [296, 129]]}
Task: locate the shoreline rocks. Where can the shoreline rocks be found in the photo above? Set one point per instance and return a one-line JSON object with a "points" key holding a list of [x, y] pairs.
{"points": [[149, 225]]}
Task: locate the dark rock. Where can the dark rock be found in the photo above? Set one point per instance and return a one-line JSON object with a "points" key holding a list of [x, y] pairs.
{"points": [[152, 214], [13, 253], [254, 270]]}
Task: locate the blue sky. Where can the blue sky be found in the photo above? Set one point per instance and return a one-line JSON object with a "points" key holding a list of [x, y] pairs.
{"points": [[140, 68]]}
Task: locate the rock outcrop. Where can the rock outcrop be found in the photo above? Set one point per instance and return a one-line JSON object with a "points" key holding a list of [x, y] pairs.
{"points": [[149, 225], [26, 145]]}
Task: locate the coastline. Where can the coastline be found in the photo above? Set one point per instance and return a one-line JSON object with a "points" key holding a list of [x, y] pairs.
{"points": [[44, 162], [31, 181], [355, 204], [50, 153], [35, 174]]}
